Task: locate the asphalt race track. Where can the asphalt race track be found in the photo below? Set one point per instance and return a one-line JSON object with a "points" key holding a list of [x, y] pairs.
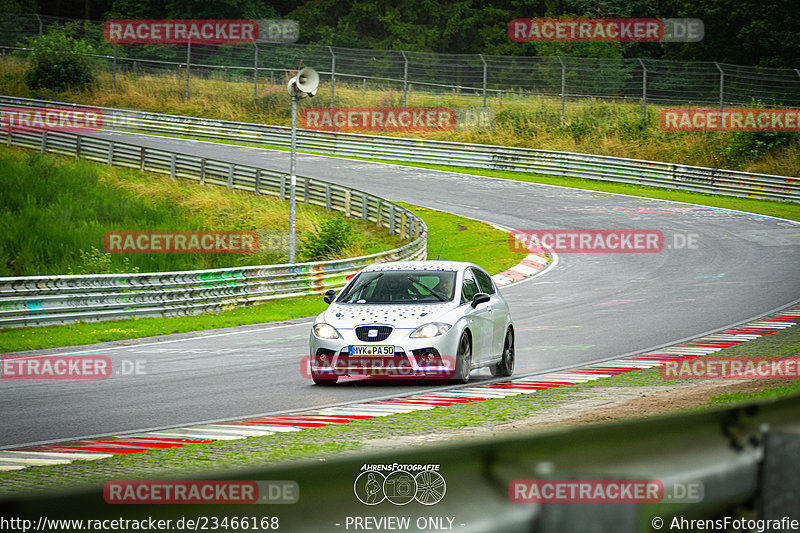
{"points": [[588, 307]]}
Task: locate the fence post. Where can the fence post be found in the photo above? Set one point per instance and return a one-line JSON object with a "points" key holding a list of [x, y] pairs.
{"points": [[333, 72], [44, 141], [110, 154], [392, 229], [141, 159], [484, 81], [282, 191], [202, 171], [188, 59], [255, 72], [231, 170], [78, 147], [114, 70], [364, 207], [644, 94], [40, 28], [721, 91], [173, 160], [328, 196], [405, 78], [563, 86], [257, 189]]}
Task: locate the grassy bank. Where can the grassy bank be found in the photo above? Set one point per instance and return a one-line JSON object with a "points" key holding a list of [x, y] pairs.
{"points": [[589, 126], [59, 211]]}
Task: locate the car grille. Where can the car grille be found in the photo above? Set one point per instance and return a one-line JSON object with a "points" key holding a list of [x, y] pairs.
{"points": [[381, 333]]}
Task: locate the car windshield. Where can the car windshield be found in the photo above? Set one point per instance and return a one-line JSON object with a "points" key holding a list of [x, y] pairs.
{"points": [[400, 286]]}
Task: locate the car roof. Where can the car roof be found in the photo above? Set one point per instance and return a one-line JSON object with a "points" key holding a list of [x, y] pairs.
{"points": [[418, 265]]}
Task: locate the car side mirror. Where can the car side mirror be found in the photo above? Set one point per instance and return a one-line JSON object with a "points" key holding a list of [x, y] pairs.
{"points": [[330, 295], [480, 298]]}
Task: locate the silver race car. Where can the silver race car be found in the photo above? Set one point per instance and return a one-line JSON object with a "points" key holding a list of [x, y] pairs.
{"points": [[438, 319]]}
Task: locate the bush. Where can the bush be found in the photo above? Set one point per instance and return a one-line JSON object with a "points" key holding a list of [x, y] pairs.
{"points": [[744, 147], [59, 62], [327, 241], [98, 262]]}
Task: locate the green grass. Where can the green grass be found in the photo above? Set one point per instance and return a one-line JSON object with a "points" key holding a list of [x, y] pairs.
{"points": [[327, 442], [455, 238], [58, 211], [478, 242]]}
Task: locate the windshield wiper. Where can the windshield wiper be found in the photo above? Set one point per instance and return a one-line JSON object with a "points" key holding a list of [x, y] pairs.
{"points": [[415, 282], [365, 284]]}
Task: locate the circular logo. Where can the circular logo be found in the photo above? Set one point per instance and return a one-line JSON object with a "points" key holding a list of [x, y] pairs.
{"points": [[400, 487], [430, 487], [369, 488]]}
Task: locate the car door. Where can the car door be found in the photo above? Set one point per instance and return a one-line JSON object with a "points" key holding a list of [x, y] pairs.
{"points": [[478, 318], [499, 310]]}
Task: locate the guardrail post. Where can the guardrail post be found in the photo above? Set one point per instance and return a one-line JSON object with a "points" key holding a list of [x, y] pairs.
{"points": [[347, 195], [403, 225], [644, 94], [202, 171], [379, 213], [9, 134], [172, 165], [328, 197], [44, 141], [110, 154], [141, 159], [484, 81], [257, 189], [364, 207], [188, 60], [306, 186], [405, 78], [392, 222], [231, 169], [77, 147], [255, 72], [563, 86], [333, 72], [721, 91], [282, 191], [114, 70]]}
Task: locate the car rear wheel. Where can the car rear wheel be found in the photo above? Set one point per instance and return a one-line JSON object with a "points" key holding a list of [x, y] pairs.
{"points": [[505, 367], [325, 381], [463, 358]]}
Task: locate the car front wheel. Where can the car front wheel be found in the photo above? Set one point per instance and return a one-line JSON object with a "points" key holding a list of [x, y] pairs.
{"points": [[463, 358]]}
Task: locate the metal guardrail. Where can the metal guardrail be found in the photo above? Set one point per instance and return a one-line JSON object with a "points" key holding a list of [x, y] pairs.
{"points": [[43, 300], [568, 164], [742, 459]]}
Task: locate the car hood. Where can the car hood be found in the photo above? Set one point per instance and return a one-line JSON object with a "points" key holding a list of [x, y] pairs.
{"points": [[348, 316]]}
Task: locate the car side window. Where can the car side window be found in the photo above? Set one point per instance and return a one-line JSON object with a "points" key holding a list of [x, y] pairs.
{"points": [[469, 287], [484, 281]]}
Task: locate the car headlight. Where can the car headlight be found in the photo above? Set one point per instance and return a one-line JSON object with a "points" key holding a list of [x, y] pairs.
{"points": [[326, 331], [434, 329]]}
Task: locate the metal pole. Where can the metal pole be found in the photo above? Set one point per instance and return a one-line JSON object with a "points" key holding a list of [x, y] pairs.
{"points": [[644, 94], [40, 28], [484, 81], [188, 59], [721, 92], [563, 86], [114, 70], [255, 72], [333, 72], [293, 179], [405, 78]]}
